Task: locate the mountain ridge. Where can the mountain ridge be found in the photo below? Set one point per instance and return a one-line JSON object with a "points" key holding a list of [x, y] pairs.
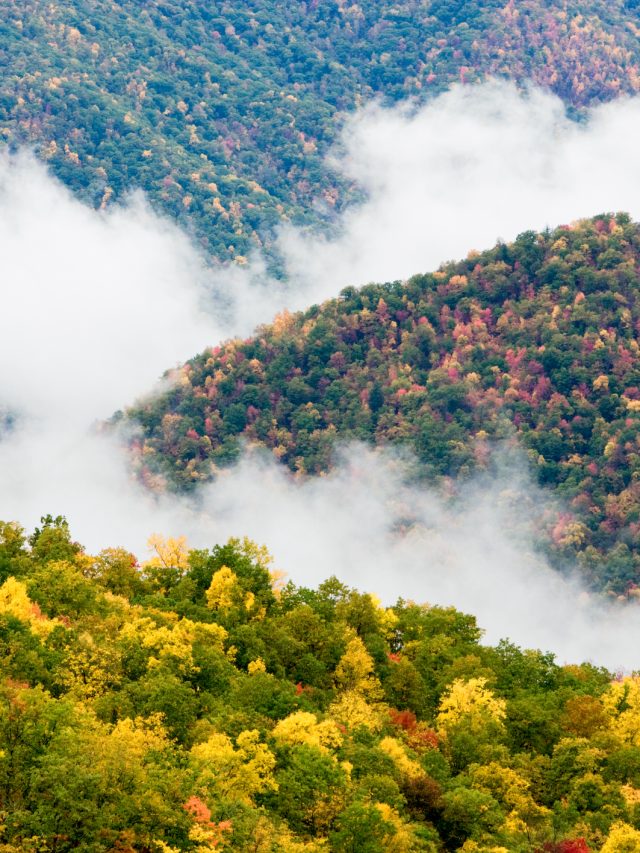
{"points": [[224, 115], [534, 338]]}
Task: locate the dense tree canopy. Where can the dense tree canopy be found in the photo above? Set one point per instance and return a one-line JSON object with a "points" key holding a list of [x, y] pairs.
{"points": [[142, 712], [222, 112], [196, 702], [534, 341]]}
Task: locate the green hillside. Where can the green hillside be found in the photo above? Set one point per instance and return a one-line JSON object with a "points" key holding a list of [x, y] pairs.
{"points": [[222, 112], [197, 703], [536, 339]]}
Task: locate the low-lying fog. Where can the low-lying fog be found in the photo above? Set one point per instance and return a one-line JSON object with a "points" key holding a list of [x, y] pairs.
{"points": [[97, 305]]}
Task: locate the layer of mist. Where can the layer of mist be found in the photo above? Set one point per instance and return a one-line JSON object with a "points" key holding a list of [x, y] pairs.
{"points": [[98, 304], [477, 164]]}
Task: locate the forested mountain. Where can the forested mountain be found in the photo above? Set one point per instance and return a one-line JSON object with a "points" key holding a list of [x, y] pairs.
{"points": [[222, 112], [536, 339], [199, 703]]}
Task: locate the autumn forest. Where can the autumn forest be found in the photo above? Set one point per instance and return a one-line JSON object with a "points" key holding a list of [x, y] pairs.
{"points": [[201, 701], [191, 695]]}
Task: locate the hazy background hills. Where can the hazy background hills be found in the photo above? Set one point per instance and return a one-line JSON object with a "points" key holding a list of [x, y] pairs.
{"points": [[224, 112]]}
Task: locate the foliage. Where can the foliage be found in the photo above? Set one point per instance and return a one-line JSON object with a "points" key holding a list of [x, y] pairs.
{"points": [[128, 725], [223, 112], [533, 342]]}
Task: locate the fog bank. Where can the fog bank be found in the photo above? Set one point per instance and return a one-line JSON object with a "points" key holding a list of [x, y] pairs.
{"points": [[96, 305]]}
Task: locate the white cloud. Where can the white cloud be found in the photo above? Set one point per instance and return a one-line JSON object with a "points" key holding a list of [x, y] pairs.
{"points": [[476, 164], [367, 524], [97, 305]]}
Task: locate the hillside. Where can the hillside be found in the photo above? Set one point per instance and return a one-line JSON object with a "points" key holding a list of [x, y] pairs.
{"points": [[223, 112], [197, 703], [468, 436], [535, 340]]}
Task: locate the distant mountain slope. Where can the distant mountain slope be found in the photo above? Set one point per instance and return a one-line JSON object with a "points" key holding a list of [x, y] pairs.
{"points": [[538, 338], [222, 112]]}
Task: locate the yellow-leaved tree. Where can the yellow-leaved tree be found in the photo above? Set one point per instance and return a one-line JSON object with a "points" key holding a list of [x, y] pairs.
{"points": [[622, 706], [526, 821], [359, 689], [385, 616], [303, 727], [226, 595], [401, 838], [470, 702], [622, 839], [171, 645], [222, 591], [90, 668], [169, 562], [407, 767], [15, 601], [355, 671], [233, 772], [470, 722]]}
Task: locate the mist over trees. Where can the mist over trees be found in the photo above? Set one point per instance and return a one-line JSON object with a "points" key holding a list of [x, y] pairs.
{"points": [[223, 112], [200, 700], [533, 341]]}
